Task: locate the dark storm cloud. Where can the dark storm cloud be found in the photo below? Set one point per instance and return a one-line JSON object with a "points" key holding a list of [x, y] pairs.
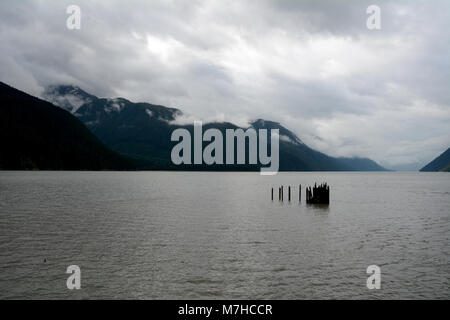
{"points": [[312, 65]]}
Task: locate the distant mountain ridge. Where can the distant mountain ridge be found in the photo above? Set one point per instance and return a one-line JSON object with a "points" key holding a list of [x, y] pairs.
{"points": [[441, 163], [38, 135], [142, 131]]}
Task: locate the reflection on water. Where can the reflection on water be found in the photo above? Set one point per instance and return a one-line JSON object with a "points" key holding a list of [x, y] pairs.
{"points": [[219, 235], [319, 207]]}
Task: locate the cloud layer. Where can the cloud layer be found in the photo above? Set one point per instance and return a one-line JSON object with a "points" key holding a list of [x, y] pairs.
{"points": [[311, 65]]}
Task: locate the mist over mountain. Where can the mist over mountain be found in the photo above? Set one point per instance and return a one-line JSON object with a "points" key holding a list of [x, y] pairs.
{"points": [[415, 166], [142, 132]]}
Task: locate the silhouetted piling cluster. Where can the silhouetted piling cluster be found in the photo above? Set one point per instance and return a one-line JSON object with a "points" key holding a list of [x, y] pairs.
{"points": [[319, 194]]}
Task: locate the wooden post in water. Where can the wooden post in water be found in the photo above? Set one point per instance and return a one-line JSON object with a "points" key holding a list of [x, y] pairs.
{"points": [[272, 194], [289, 193], [282, 195], [300, 193], [318, 194]]}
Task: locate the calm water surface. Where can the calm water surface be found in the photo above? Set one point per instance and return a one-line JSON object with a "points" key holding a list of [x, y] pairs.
{"points": [[186, 235]]}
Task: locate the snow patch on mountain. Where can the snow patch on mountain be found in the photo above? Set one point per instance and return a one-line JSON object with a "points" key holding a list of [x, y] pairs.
{"points": [[70, 102], [71, 99], [288, 139], [114, 105]]}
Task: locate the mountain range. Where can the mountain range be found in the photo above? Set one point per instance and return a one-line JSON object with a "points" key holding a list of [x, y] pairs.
{"points": [[441, 163], [141, 132], [76, 130], [35, 134]]}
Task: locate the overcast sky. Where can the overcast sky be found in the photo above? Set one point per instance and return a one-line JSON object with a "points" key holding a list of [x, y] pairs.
{"points": [[313, 66]]}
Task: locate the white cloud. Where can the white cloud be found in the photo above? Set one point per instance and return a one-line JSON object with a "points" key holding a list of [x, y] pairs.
{"points": [[311, 65]]}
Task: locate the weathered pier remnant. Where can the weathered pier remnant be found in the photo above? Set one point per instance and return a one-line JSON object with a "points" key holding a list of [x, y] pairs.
{"points": [[319, 194], [281, 193]]}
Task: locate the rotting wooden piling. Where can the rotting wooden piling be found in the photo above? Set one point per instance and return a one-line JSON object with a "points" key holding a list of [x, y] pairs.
{"points": [[319, 194]]}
